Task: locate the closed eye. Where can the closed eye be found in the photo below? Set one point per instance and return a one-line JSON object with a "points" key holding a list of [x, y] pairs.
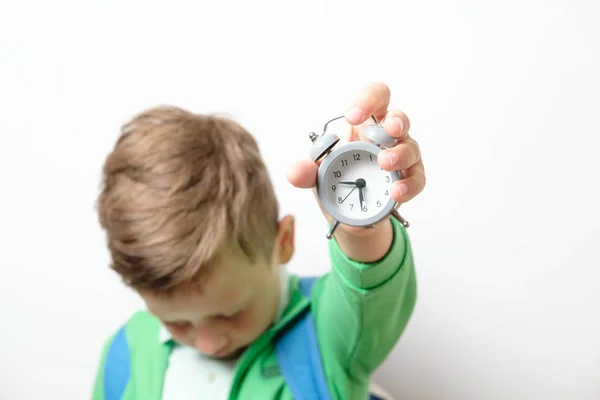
{"points": [[178, 324], [231, 317]]}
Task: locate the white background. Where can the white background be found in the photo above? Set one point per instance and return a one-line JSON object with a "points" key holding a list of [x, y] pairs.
{"points": [[503, 98]]}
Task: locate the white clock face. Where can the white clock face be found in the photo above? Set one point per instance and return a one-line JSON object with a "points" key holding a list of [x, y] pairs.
{"points": [[351, 173]]}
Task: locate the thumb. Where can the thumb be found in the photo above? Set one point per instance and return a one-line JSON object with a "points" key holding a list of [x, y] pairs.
{"points": [[302, 174]]}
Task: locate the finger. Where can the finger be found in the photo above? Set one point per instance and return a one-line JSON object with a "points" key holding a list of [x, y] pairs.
{"points": [[400, 157], [302, 174], [396, 124], [412, 184], [373, 100]]}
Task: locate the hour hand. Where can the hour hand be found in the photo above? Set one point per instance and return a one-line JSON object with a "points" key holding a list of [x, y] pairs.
{"points": [[348, 183]]}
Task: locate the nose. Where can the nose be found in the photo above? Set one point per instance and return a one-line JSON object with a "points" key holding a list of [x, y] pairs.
{"points": [[209, 343]]}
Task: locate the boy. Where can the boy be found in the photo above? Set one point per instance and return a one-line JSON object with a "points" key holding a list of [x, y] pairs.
{"points": [[192, 225]]}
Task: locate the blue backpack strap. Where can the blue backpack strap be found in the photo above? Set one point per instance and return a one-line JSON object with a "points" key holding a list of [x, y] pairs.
{"points": [[117, 367], [299, 356], [305, 285]]}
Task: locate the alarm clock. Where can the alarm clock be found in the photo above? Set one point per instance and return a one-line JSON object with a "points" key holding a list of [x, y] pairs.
{"points": [[351, 186]]}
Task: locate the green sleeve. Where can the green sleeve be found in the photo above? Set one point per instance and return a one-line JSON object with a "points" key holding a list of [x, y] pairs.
{"points": [[98, 392], [361, 310]]}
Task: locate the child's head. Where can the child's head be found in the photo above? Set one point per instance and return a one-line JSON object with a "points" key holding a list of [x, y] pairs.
{"points": [[192, 225]]}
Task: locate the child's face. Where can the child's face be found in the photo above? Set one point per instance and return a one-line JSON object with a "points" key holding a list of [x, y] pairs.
{"points": [[237, 303]]}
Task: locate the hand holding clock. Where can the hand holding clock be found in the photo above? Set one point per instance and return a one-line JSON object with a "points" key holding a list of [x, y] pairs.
{"points": [[405, 156]]}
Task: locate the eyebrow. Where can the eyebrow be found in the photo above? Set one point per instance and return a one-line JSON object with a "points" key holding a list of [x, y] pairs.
{"points": [[242, 306]]}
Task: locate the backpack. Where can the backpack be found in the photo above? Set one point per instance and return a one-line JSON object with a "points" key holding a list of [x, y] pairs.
{"points": [[297, 353]]}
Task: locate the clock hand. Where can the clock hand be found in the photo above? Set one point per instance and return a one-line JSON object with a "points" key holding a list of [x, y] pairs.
{"points": [[360, 184], [361, 197], [349, 194], [348, 183]]}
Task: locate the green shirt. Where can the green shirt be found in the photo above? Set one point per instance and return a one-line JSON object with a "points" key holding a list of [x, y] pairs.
{"points": [[360, 311]]}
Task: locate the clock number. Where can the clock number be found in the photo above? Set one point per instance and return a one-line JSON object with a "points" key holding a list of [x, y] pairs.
{"points": [[333, 188], [356, 157], [337, 174], [344, 163], [387, 193], [364, 209], [378, 203], [340, 200], [351, 207], [371, 157], [387, 178]]}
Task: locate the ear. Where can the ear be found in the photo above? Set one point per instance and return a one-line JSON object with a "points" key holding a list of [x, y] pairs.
{"points": [[285, 239]]}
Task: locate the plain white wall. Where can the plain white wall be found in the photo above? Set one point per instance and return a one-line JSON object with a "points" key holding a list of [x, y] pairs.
{"points": [[503, 99]]}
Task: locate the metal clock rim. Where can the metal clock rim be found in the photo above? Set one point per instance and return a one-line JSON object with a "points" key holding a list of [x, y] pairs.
{"points": [[331, 208]]}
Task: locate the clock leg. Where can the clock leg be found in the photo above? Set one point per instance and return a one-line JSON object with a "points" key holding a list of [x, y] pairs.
{"points": [[397, 215], [335, 225]]}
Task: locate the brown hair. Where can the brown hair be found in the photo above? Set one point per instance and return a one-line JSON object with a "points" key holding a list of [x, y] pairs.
{"points": [[177, 190]]}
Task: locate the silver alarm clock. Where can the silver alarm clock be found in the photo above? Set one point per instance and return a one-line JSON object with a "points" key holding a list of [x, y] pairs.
{"points": [[351, 185]]}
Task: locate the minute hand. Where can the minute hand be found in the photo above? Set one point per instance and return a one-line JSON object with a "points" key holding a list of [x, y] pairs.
{"points": [[361, 197]]}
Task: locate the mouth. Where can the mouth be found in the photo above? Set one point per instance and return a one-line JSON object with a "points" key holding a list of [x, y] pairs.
{"points": [[228, 354]]}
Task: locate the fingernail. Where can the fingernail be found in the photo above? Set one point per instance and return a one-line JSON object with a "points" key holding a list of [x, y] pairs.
{"points": [[400, 123], [354, 114], [391, 157]]}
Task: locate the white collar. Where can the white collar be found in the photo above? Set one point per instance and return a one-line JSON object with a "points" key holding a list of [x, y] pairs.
{"points": [[284, 298]]}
